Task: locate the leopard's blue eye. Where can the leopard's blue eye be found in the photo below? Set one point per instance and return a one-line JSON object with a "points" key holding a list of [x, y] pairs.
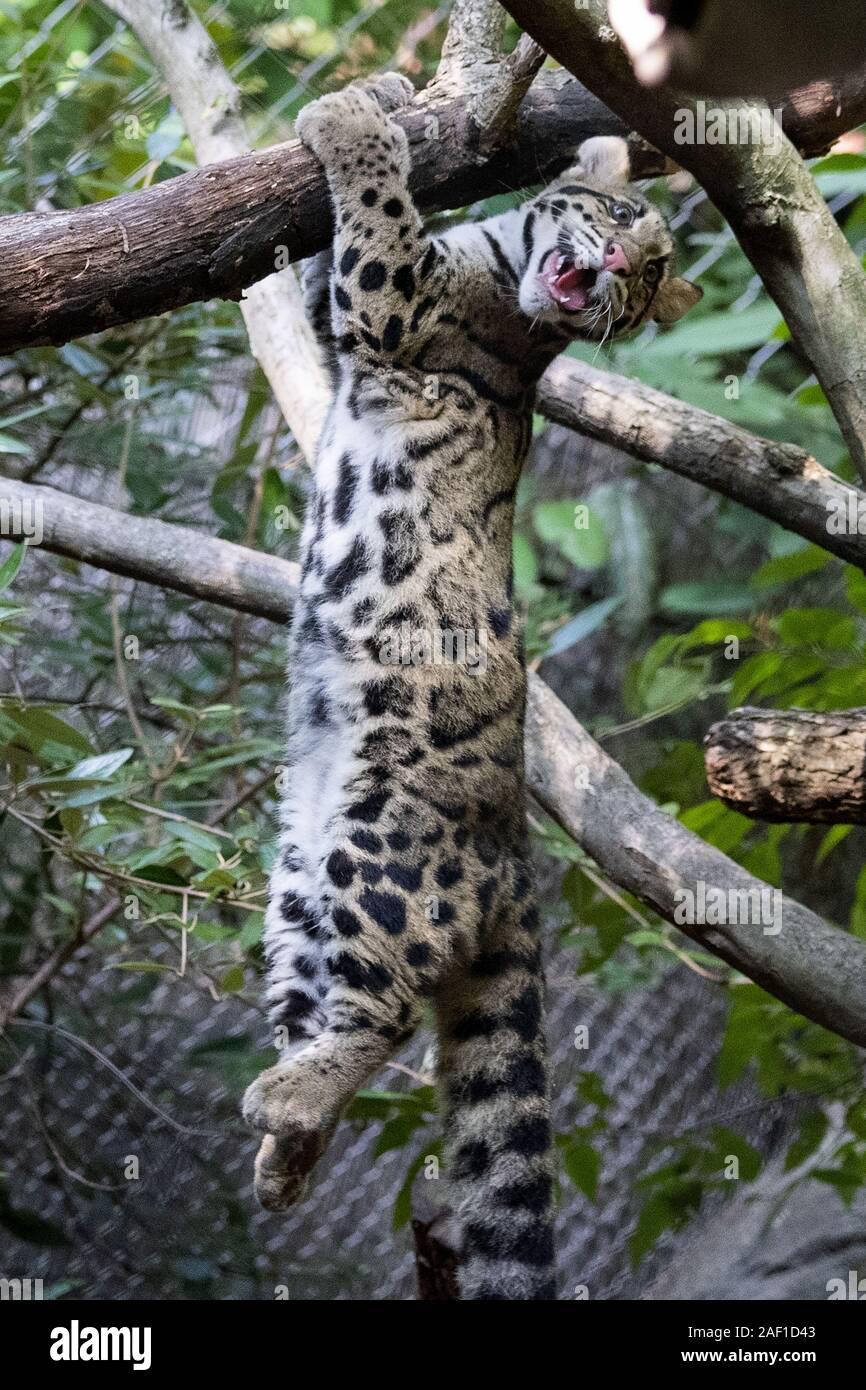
{"points": [[622, 214], [652, 273]]}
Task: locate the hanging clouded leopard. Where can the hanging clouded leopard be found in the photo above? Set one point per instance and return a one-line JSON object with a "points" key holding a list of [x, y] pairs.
{"points": [[403, 876]]}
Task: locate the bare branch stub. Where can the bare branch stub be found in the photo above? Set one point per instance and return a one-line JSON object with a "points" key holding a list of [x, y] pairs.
{"points": [[790, 765]]}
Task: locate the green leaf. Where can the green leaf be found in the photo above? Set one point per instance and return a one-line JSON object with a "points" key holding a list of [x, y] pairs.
{"points": [[233, 980], [786, 568], [574, 530], [100, 767], [582, 625], [142, 967], [590, 1090], [631, 565], [707, 596], [402, 1212], [44, 733], [583, 1165], [10, 445], [810, 1132], [525, 563], [835, 835], [720, 332], [11, 565]]}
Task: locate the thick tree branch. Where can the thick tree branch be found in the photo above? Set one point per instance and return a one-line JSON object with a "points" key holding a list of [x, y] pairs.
{"points": [[816, 969], [762, 187], [781, 481], [215, 231], [281, 337], [790, 764], [174, 557]]}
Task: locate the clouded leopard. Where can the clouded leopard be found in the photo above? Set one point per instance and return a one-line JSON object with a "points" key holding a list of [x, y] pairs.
{"points": [[403, 877]]}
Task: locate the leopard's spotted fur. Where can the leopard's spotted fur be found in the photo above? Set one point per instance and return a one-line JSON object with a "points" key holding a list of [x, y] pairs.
{"points": [[403, 874]]}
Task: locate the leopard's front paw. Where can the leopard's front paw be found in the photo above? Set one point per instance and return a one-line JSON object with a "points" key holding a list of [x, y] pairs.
{"points": [[339, 119]]}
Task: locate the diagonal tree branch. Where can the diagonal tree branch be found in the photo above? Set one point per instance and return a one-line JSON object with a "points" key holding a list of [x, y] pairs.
{"points": [[764, 190], [781, 481], [281, 337], [213, 232], [816, 969]]}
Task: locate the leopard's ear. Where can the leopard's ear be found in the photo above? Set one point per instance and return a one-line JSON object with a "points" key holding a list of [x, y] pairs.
{"points": [[605, 159], [674, 298]]}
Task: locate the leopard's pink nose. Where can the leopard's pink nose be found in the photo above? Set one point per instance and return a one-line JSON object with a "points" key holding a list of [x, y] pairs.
{"points": [[615, 258]]}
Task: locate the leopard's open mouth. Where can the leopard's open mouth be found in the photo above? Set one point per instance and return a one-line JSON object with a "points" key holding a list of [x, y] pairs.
{"points": [[568, 284]]}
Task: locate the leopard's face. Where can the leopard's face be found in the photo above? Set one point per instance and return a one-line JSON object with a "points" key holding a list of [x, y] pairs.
{"points": [[598, 253]]}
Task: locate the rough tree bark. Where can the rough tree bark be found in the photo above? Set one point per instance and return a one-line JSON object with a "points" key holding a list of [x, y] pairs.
{"points": [[764, 190], [815, 968], [790, 764]]}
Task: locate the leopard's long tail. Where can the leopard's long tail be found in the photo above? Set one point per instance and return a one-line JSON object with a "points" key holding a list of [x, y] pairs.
{"points": [[494, 1084]]}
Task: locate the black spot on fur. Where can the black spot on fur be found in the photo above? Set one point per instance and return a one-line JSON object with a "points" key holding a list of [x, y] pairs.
{"points": [[349, 260], [370, 808], [346, 922], [450, 871], [366, 840], [525, 1013], [402, 548], [393, 207], [531, 1245], [472, 1159], [373, 978], [386, 909], [392, 333], [369, 197], [393, 695], [340, 579], [343, 300], [418, 954], [484, 892], [345, 490], [372, 276], [403, 280], [528, 1136], [340, 868], [406, 876], [500, 621]]}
